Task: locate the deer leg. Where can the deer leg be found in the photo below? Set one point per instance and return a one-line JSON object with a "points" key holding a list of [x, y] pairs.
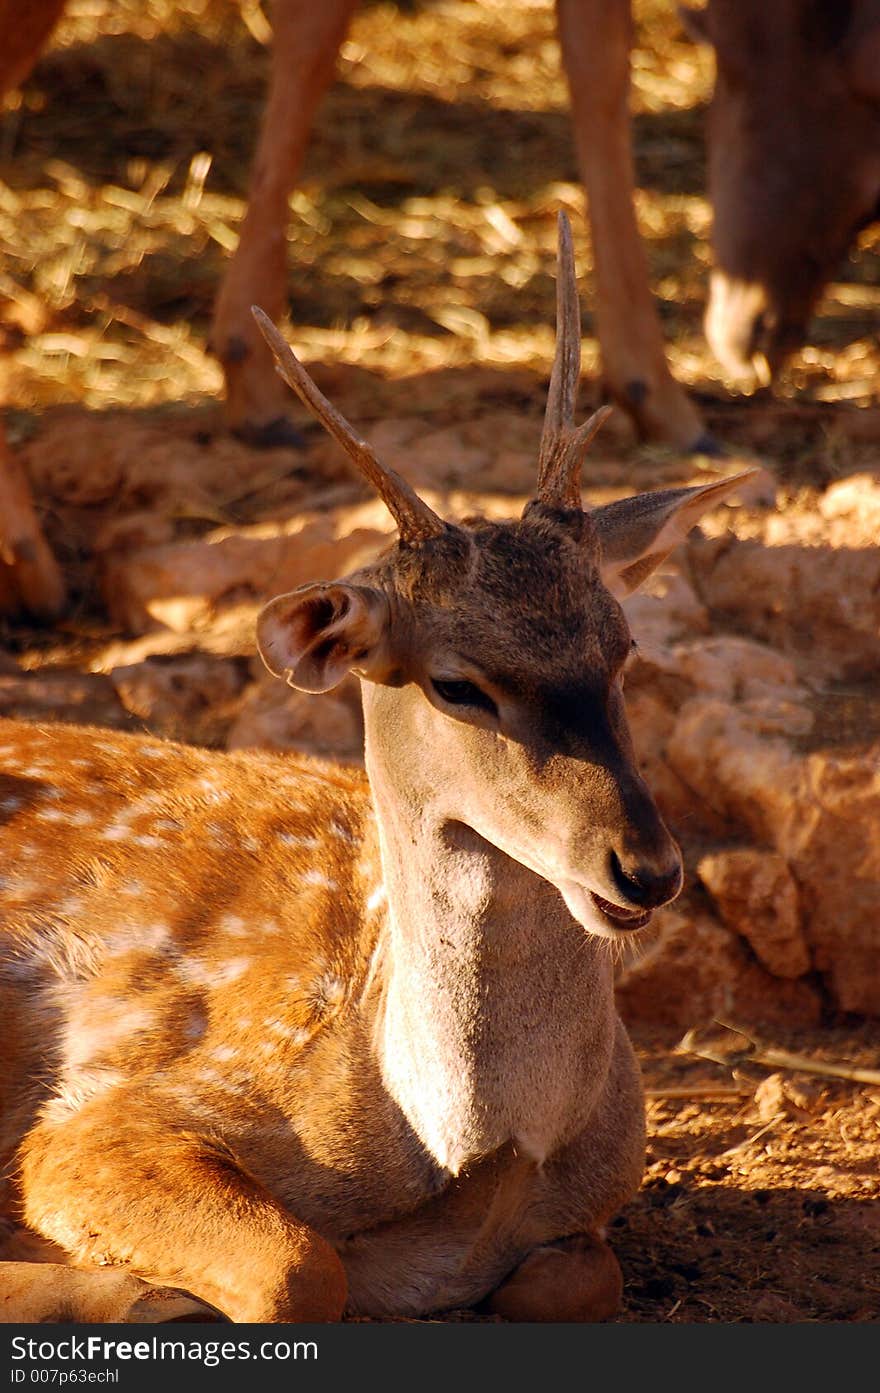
{"points": [[118, 1184], [574, 1279], [29, 574], [39, 1292], [596, 37], [306, 40], [24, 30]]}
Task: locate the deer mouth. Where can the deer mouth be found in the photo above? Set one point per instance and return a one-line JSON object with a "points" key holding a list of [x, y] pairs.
{"points": [[628, 919]]}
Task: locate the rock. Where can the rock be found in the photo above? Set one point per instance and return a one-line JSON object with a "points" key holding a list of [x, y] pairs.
{"points": [[190, 696], [818, 809], [756, 896], [693, 970], [183, 584], [821, 602], [855, 499], [276, 717], [780, 1096], [776, 1310], [60, 694]]}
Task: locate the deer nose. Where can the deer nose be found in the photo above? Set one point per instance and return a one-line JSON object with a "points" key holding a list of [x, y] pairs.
{"points": [[647, 885]]}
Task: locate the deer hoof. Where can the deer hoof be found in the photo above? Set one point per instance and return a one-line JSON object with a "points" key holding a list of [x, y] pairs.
{"points": [[576, 1279]]}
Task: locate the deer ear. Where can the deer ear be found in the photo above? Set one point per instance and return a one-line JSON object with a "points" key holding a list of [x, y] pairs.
{"points": [[312, 637], [638, 533]]}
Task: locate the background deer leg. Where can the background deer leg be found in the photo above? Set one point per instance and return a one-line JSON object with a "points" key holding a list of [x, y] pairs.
{"points": [[117, 1184], [29, 575], [575, 1279], [596, 36], [25, 29], [306, 40]]}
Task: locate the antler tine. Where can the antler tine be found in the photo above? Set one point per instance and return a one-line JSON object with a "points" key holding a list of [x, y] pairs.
{"points": [[415, 520], [563, 445]]}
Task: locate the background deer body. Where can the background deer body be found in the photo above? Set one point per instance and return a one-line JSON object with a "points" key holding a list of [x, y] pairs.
{"points": [[291, 1039]]}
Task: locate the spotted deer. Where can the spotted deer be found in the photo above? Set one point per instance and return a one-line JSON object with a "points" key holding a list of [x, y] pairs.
{"points": [[285, 1041]]}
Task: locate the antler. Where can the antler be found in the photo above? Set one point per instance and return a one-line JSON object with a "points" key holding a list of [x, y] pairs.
{"points": [[415, 520], [563, 445]]}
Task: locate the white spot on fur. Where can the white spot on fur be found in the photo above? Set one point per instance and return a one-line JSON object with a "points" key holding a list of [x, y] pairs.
{"points": [[377, 898], [233, 924], [212, 975], [327, 991], [139, 938], [88, 1037], [319, 878], [278, 1027], [223, 1053], [292, 839], [344, 833], [75, 1092], [146, 840], [116, 833]]}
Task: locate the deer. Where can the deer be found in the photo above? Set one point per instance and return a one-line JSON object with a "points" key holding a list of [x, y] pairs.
{"points": [[287, 1040]]}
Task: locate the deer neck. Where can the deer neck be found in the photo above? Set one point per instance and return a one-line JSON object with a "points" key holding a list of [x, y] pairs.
{"points": [[496, 1020]]}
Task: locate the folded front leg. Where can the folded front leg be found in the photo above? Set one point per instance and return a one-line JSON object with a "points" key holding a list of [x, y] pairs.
{"points": [[117, 1184]]}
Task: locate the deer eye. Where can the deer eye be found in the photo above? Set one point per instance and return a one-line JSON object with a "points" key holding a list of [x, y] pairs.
{"points": [[464, 694]]}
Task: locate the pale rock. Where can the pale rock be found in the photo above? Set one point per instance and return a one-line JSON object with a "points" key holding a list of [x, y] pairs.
{"points": [[857, 500], [183, 584], [818, 809], [820, 602], [276, 717], [756, 896], [190, 696], [779, 1095], [688, 970]]}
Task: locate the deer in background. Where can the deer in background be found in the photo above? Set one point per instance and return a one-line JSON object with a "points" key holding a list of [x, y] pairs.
{"points": [[285, 1041], [793, 134]]}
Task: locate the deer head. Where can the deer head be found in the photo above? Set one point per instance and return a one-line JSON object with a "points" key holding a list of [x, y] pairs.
{"points": [[492, 656]]}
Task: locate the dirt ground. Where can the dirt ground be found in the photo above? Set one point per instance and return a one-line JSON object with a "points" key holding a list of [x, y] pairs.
{"points": [[421, 289]]}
